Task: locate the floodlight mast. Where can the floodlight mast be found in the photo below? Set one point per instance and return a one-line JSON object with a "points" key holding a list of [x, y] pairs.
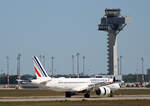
{"points": [[112, 23]]}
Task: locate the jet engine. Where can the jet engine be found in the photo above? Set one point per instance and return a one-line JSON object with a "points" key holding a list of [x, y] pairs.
{"points": [[103, 91]]}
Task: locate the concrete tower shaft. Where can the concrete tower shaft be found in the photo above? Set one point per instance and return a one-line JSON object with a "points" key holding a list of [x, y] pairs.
{"points": [[112, 54]]}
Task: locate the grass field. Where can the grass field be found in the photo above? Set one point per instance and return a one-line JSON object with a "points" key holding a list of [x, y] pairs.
{"points": [[27, 93], [22, 92], [82, 103], [133, 92]]}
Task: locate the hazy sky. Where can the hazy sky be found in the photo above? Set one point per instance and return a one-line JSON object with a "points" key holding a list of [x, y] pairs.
{"points": [[61, 28]]}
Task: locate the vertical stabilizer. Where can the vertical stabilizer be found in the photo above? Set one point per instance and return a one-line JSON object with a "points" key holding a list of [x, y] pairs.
{"points": [[39, 69]]}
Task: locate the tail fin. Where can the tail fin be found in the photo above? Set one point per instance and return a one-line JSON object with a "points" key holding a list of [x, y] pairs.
{"points": [[39, 69]]}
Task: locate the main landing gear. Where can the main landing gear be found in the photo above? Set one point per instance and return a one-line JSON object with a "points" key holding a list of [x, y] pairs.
{"points": [[87, 95], [69, 94]]}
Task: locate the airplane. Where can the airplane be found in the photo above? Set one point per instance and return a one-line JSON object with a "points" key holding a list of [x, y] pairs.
{"points": [[73, 86], [24, 81]]}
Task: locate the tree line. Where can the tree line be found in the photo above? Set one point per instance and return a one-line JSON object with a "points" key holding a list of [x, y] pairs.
{"points": [[135, 78], [126, 78]]}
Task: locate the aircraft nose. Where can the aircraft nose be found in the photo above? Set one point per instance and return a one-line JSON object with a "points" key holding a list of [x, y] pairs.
{"points": [[117, 85]]}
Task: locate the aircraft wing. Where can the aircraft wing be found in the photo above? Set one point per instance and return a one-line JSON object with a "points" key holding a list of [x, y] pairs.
{"points": [[97, 85], [90, 87]]}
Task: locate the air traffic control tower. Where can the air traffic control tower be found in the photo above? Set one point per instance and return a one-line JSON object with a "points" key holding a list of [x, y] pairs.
{"points": [[112, 23]]}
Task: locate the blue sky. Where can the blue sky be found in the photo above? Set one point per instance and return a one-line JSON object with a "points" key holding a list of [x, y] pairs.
{"points": [[61, 28]]}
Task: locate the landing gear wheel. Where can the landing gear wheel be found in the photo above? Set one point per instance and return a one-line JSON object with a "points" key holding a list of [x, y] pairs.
{"points": [[111, 94], [87, 95], [68, 94]]}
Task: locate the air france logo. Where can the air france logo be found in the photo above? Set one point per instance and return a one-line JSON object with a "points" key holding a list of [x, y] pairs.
{"points": [[99, 80]]}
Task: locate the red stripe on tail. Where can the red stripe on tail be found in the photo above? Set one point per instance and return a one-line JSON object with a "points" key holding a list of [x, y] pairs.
{"points": [[37, 72]]}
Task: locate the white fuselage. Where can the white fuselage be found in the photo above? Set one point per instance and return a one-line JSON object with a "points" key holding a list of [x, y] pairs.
{"points": [[71, 84]]}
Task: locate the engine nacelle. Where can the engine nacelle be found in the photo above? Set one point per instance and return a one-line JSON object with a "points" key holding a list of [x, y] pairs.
{"points": [[100, 91], [103, 91]]}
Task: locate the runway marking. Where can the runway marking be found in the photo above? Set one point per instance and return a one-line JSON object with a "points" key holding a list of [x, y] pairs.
{"points": [[79, 98]]}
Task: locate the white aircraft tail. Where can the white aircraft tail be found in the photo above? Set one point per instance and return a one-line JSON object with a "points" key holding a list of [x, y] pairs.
{"points": [[39, 69]]}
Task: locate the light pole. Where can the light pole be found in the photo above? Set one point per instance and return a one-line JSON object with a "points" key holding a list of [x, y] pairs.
{"points": [[142, 59], [78, 64], [7, 59], [137, 76], [44, 61], [18, 69], [120, 65], [52, 58], [83, 64], [72, 65]]}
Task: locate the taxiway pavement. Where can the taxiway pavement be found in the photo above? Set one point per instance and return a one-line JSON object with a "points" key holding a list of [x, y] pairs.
{"points": [[77, 98]]}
